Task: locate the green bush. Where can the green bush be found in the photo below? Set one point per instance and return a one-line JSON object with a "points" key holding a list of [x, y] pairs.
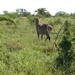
{"points": [[13, 15], [2, 18], [30, 19], [65, 51]]}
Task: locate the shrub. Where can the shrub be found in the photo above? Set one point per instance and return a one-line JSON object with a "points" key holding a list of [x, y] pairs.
{"points": [[65, 57], [2, 18], [30, 19]]}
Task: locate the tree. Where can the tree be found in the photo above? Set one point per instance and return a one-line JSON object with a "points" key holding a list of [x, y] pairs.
{"points": [[61, 13], [5, 12], [73, 15], [42, 12], [23, 12], [11, 14]]}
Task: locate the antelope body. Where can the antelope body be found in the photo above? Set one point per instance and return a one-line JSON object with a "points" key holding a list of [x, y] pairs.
{"points": [[43, 29]]}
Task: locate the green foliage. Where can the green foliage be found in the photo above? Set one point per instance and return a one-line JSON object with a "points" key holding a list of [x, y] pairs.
{"points": [[73, 33], [58, 20], [1, 33], [65, 51], [13, 45], [30, 19], [62, 13], [2, 18], [42, 12], [72, 15], [21, 53], [23, 12], [12, 15]]}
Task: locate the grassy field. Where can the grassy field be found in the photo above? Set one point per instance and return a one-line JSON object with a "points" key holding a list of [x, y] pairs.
{"points": [[21, 53]]}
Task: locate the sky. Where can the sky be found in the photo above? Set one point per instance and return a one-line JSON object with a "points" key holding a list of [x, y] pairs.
{"points": [[52, 6]]}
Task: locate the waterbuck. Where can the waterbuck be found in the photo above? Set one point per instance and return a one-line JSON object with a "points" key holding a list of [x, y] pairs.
{"points": [[43, 29]]}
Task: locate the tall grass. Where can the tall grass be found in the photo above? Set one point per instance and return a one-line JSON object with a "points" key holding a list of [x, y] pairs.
{"points": [[21, 53]]}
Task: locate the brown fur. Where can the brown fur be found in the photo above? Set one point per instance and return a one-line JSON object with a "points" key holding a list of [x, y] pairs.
{"points": [[43, 29]]}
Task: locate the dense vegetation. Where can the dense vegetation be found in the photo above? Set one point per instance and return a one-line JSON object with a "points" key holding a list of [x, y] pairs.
{"points": [[21, 53]]}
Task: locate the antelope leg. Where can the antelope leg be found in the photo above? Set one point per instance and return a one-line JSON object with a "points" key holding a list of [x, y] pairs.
{"points": [[41, 36]]}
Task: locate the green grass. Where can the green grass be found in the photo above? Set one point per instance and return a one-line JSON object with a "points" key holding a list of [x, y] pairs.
{"points": [[21, 53]]}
